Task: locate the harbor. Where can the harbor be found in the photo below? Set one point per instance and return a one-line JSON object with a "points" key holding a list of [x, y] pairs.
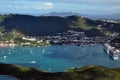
{"points": [[57, 58]]}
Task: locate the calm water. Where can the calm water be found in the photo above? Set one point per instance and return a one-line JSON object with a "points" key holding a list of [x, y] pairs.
{"points": [[6, 78], [57, 58]]}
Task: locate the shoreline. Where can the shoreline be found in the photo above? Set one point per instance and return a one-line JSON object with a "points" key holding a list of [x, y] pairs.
{"points": [[82, 44], [8, 76]]}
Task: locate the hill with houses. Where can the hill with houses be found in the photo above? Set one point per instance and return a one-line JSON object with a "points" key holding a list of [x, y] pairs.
{"points": [[52, 25]]}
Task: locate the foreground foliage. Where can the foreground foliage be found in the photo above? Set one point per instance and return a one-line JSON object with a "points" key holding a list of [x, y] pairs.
{"points": [[90, 72]]}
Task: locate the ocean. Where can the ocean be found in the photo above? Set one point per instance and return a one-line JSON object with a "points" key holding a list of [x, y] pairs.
{"points": [[57, 58]]}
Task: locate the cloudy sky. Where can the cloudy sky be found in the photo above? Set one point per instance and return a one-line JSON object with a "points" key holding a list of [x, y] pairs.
{"points": [[46, 6]]}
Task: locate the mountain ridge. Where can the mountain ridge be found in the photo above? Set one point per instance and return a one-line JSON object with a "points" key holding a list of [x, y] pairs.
{"points": [[91, 16], [52, 25]]}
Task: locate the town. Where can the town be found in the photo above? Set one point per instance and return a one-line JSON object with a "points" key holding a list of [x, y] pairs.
{"points": [[111, 44]]}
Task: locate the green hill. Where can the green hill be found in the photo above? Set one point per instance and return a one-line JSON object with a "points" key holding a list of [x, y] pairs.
{"points": [[90, 72], [52, 25]]}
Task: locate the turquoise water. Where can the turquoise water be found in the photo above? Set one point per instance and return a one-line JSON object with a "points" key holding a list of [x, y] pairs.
{"points": [[6, 78], [57, 58]]}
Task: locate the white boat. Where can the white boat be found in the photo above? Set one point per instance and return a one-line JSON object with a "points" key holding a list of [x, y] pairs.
{"points": [[31, 51], [113, 54], [43, 50], [33, 62], [116, 57], [111, 51], [5, 57], [107, 48]]}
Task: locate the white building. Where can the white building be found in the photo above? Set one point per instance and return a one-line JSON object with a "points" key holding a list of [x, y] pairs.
{"points": [[29, 39]]}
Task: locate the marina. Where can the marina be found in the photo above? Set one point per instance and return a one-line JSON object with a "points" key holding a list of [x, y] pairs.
{"points": [[57, 58]]}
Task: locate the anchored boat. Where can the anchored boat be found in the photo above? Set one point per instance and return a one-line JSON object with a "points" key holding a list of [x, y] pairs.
{"points": [[112, 51]]}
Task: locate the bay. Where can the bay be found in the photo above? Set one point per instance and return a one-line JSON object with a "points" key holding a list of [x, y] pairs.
{"points": [[57, 58], [5, 77]]}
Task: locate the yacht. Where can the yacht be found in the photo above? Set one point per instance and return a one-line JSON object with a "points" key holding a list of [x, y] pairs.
{"points": [[113, 54], [112, 51], [107, 48]]}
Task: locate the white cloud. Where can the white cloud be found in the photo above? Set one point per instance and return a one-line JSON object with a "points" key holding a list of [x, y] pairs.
{"points": [[25, 7], [112, 8], [48, 5], [13, 6], [87, 2], [9, 6], [37, 6]]}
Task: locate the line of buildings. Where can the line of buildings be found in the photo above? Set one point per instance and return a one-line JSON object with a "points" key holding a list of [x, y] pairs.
{"points": [[69, 37]]}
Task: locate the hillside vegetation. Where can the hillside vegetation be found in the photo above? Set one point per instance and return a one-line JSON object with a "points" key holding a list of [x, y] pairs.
{"points": [[52, 25], [2, 17], [90, 72]]}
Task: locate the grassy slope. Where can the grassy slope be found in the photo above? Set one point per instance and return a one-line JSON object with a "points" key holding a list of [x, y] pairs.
{"points": [[80, 23], [52, 25], [85, 73], [9, 35], [2, 17]]}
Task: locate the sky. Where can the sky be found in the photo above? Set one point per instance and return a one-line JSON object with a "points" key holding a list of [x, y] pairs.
{"points": [[48, 6]]}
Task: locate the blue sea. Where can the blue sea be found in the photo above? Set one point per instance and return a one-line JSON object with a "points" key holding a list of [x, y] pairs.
{"points": [[5, 77], [57, 58]]}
